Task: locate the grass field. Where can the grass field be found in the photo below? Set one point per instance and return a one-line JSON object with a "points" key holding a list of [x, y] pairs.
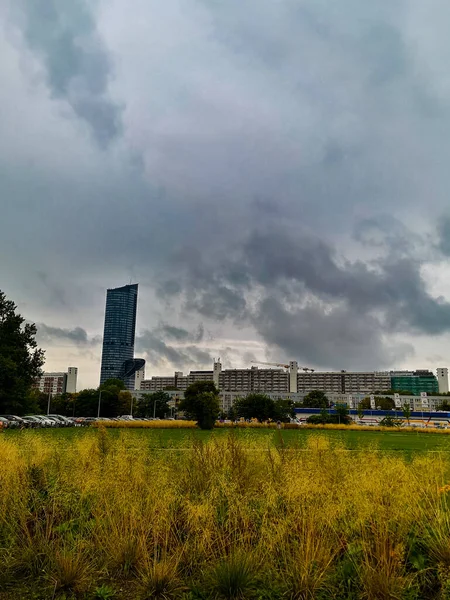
{"points": [[414, 441], [258, 514]]}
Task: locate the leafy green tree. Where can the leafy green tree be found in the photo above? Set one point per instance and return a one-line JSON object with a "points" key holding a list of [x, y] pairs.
{"points": [[445, 405], [115, 399], [156, 404], [255, 406], [201, 403], [383, 402], [342, 414], [283, 410], [406, 409], [360, 411], [86, 404], [316, 399], [21, 360], [390, 421]]}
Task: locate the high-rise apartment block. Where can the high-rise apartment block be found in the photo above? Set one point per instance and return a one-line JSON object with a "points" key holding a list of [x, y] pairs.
{"points": [[118, 360], [279, 380], [58, 383]]}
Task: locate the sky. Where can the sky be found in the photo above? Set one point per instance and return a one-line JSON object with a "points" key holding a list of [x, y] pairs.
{"points": [[273, 173]]}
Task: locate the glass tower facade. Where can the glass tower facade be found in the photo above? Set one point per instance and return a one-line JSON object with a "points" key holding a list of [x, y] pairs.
{"points": [[119, 333]]}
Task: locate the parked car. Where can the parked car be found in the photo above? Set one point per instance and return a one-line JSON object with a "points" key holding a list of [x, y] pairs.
{"points": [[65, 422], [15, 421], [33, 422], [4, 423], [46, 422]]}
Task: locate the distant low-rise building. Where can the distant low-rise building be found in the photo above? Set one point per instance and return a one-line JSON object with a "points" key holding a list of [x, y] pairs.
{"points": [[58, 383]]}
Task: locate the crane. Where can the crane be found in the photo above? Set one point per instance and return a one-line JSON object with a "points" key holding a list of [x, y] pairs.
{"points": [[260, 362]]}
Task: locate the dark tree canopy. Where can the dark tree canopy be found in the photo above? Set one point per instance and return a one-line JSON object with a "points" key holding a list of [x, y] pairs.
{"points": [[263, 408], [201, 403], [383, 402], [316, 399], [21, 360], [153, 405]]}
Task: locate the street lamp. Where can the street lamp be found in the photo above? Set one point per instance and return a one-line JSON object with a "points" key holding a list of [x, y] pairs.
{"points": [[99, 401]]}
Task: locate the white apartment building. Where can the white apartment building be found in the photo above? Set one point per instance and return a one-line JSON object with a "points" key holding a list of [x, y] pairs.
{"points": [[58, 383]]}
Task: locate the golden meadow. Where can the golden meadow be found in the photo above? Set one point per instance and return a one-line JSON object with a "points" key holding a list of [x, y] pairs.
{"points": [[111, 516]]}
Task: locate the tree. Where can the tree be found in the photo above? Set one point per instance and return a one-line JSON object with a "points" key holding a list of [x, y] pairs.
{"points": [[153, 405], [21, 360], [360, 411], [283, 410], [201, 403], [390, 421], [383, 402], [115, 399], [406, 411], [316, 399], [255, 406], [86, 404], [445, 405], [341, 416]]}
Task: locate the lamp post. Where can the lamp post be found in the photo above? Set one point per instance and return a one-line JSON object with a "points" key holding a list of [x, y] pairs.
{"points": [[154, 407], [99, 402], [48, 403]]}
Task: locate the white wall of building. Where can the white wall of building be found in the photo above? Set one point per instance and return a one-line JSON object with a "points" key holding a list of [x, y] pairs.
{"points": [[138, 377], [442, 377], [71, 380]]}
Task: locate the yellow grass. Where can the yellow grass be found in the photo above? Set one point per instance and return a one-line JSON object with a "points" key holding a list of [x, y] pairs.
{"points": [[226, 518], [162, 424], [181, 424]]}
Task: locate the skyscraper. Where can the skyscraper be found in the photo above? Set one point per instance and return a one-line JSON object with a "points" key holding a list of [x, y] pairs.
{"points": [[119, 333]]}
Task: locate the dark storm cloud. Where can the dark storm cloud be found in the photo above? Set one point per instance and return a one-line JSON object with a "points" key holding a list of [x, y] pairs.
{"points": [[315, 304], [65, 35], [47, 335], [337, 337], [158, 353], [180, 334], [273, 156]]}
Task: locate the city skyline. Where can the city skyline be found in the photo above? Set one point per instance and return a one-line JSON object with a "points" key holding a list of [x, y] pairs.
{"points": [[273, 174]]}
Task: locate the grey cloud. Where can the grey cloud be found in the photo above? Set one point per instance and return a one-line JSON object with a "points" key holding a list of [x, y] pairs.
{"points": [[158, 353], [302, 288], [55, 335], [180, 334], [257, 136], [336, 338], [77, 64], [443, 240]]}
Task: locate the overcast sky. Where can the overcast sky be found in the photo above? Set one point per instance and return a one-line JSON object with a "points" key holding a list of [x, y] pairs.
{"points": [[273, 173]]}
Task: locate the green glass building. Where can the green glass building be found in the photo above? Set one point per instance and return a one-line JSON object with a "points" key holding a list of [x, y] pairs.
{"points": [[415, 382]]}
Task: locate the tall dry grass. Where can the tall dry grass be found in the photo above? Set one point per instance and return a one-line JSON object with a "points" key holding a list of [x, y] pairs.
{"points": [[229, 518]]}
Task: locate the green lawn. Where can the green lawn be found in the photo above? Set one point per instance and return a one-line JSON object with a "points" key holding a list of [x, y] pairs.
{"points": [[179, 438]]}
